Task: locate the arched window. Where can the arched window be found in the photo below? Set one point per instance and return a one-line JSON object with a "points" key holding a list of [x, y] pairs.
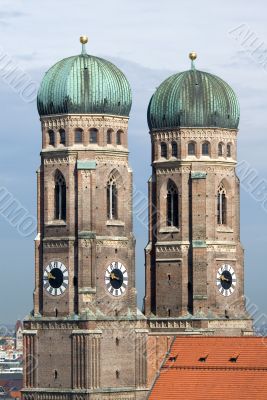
{"points": [[221, 206], [112, 198], [174, 149], [191, 149], [172, 204], [229, 150], [220, 149], [163, 150], [62, 135], [93, 135], [109, 136], [205, 149], [60, 196], [78, 135], [51, 138], [118, 137]]}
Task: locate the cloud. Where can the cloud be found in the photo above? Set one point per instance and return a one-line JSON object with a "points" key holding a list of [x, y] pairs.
{"points": [[11, 14], [7, 16]]}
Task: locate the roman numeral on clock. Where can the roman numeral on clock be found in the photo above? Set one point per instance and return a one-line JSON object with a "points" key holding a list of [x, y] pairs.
{"points": [[55, 278], [226, 280], [116, 279]]}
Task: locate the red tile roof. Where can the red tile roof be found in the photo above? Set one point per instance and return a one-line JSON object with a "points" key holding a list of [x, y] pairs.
{"points": [[209, 368]]}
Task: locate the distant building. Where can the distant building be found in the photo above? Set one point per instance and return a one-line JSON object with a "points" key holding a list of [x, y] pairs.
{"points": [[19, 336]]}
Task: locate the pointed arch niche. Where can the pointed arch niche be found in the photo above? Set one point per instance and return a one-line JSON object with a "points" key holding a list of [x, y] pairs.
{"points": [[168, 207], [113, 196], [60, 197], [222, 205], [172, 209]]}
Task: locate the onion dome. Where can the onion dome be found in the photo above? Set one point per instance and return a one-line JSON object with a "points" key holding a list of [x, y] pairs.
{"points": [[193, 99], [84, 84]]}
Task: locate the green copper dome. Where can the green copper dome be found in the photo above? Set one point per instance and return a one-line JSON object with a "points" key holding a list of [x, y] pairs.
{"points": [[84, 84], [193, 99]]}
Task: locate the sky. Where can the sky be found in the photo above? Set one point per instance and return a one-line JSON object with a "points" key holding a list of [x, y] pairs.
{"points": [[149, 40]]}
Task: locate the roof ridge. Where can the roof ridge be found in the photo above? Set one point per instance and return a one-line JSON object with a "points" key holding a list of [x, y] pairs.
{"points": [[213, 367]]}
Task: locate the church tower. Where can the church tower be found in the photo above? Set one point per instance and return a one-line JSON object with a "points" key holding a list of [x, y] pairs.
{"points": [[194, 258], [85, 336]]}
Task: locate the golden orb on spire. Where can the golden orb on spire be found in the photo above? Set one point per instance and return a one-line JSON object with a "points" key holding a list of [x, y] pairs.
{"points": [[84, 39], [192, 55]]}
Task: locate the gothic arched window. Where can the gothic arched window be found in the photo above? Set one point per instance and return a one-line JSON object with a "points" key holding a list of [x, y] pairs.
{"points": [[163, 150], [229, 150], [205, 149], [220, 149], [191, 149], [174, 149], [109, 136], [51, 135], [60, 196], [118, 137], [221, 206], [62, 135], [172, 205], [93, 135], [78, 135], [112, 198]]}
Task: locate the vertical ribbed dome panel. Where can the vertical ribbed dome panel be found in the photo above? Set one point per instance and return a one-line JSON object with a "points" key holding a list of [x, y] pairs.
{"points": [[84, 84], [193, 99]]}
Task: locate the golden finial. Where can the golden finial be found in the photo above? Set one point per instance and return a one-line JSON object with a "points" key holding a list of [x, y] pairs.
{"points": [[192, 55], [83, 39]]}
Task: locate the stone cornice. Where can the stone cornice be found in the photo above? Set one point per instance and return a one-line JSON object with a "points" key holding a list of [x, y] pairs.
{"points": [[83, 121], [186, 167], [60, 158], [56, 244], [67, 156], [99, 151], [195, 133], [91, 332]]}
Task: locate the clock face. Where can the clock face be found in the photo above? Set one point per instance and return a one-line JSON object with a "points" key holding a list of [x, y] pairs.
{"points": [[226, 280], [56, 278], [116, 278]]}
